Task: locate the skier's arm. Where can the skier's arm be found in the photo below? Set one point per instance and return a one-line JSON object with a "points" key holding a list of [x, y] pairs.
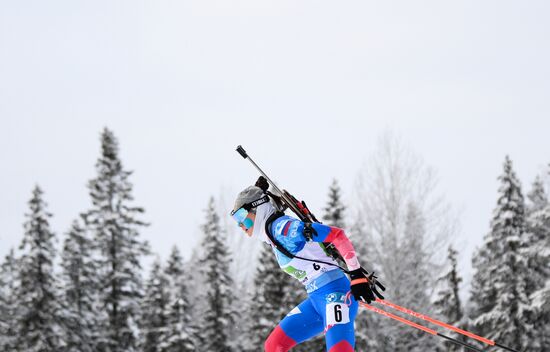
{"points": [[341, 242], [361, 286]]}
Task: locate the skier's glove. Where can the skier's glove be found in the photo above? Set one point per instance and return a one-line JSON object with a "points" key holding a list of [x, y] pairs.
{"points": [[363, 286]]}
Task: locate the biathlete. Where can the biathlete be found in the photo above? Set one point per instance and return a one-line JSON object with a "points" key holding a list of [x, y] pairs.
{"points": [[331, 306]]}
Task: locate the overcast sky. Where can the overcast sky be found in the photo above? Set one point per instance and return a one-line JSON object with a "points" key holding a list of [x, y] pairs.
{"points": [[305, 86]]}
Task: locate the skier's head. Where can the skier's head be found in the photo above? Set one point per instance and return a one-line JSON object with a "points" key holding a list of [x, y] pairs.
{"points": [[252, 208]]}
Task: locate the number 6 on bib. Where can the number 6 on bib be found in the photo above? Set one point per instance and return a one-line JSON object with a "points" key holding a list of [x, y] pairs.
{"points": [[337, 313]]}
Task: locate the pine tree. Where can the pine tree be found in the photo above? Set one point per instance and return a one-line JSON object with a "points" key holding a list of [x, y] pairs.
{"points": [[180, 334], [79, 290], [447, 304], [538, 232], [154, 320], [114, 222], [8, 302], [175, 273], [541, 307], [537, 254], [218, 319], [335, 210], [194, 274], [499, 297], [538, 197], [38, 321]]}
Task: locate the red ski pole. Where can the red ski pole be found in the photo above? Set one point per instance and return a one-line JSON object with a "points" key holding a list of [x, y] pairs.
{"points": [[418, 326], [444, 325]]}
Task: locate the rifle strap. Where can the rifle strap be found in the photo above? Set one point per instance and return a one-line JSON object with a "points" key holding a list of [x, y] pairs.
{"points": [[285, 251]]}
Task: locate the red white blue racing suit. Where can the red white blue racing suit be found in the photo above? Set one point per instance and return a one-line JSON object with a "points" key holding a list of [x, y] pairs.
{"points": [[330, 306]]}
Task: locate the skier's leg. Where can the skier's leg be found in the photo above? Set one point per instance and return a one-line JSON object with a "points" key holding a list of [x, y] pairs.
{"points": [[338, 308], [301, 324], [341, 337]]}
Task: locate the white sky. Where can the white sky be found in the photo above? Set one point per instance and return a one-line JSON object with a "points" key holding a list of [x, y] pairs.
{"points": [[305, 86]]}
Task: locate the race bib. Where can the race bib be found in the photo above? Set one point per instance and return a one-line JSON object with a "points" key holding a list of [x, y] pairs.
{"points": [[337, 313]]}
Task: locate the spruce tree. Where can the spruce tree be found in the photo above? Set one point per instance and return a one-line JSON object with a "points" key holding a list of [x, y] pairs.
{"points": [[218, 319], [115, 224], [180, 333], [538, 235], [194, 275], [80, 286], [38, 320], [447, 304], [335, 209], [541, 308], [537, 197], [175, 273], [8, 302], [499, 297], [154, 320], [538, 257]]}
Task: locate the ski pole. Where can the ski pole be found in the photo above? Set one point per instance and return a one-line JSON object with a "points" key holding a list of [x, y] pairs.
{"points": [[418, 326], [444, 325]]}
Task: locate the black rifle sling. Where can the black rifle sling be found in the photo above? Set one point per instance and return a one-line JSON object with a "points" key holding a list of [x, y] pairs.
{"points": [[282, 249]]}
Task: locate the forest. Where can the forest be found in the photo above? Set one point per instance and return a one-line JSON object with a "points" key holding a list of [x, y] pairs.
{"points": [[86, 289]]}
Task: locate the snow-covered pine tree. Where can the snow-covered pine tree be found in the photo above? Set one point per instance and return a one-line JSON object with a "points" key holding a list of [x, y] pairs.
{"points": [[8, 302], [538, 199], [80, 285], [334, 214], [541, 308], [38, 320], [196, 293], [113, 221], [499, 298], [538, 225], [447, 303], [218, 319], [154, 307], [267, 305], [175, 273], [538, 257], [180, 333]]}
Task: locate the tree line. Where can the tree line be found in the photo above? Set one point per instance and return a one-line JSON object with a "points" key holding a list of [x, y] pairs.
{"points": [[94, 296]]}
